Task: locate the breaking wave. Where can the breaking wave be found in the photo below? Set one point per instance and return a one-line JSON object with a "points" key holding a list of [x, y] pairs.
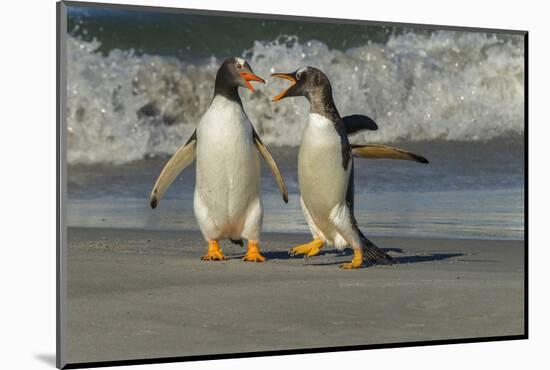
{"points": [[439, 86]]}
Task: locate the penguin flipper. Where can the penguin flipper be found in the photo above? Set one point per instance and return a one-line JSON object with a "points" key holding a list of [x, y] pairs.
{"points": [[383, 151], [272, 165], [183, 157], [357, 123]]}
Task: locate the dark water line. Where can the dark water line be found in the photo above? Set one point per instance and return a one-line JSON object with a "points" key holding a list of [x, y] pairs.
{"points": [[192, 36]]}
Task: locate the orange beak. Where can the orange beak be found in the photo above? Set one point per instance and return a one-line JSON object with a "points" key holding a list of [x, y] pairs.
{"points": [[286, 77], [251, 77]]}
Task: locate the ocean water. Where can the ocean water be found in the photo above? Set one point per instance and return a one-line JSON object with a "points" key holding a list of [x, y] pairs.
{"points": [[138, 83]]}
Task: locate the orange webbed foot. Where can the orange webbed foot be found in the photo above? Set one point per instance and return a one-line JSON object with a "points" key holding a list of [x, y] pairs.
{"points": [[356, 262], [309, 250], [253, 253], [214, 252]]}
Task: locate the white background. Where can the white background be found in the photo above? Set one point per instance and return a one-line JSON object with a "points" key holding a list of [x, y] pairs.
{"points": [[27, 129]]}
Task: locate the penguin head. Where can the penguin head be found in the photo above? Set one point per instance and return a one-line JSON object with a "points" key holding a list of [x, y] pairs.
{"points": [[306, 81], [236, 72]]}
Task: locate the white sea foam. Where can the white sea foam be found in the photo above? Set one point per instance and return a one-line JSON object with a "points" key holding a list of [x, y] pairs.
{"points": [[442, 86]]}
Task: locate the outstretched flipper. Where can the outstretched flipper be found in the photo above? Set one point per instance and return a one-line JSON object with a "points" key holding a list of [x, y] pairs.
{"points": [[382, 151], [181, 159], [357, 123], [272, 165]]}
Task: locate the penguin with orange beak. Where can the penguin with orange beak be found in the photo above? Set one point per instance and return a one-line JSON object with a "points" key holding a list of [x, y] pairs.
{"points": [[227, 200], [325, 169]]}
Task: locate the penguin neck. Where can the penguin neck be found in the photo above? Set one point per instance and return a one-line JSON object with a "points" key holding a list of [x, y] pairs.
{"points": [[229, 92], [321, 102]]}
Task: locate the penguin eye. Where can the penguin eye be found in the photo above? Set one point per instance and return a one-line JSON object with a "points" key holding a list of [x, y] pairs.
{"points": [[300, 71], [239, 66]]}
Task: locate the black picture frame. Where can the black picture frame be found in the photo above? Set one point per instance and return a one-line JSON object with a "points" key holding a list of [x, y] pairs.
{"points": [[61, 191]]}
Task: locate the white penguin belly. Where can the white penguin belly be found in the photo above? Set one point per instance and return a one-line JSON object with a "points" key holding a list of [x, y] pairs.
{"points": [[227, 194], [322, 177]]}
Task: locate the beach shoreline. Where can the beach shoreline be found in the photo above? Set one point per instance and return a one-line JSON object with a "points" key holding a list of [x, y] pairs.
{"points": [[147, 294]]}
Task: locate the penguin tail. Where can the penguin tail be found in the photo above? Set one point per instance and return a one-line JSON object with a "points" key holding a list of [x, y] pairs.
{"points": [[374, 254], [238, 242]]}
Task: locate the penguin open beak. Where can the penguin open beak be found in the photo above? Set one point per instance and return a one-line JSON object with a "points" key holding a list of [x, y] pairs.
{"points": [[247, 76], [286, 76]]}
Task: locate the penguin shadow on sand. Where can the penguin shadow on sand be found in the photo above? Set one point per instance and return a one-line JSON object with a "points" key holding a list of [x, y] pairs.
{"points": [[399, 257], [277, 255], [235, 254]]}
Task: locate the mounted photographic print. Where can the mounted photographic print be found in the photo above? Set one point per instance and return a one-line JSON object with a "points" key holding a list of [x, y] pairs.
{"points": [[234, 185]]}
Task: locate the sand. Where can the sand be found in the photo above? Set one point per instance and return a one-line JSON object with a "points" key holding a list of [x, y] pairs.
{"points": [[143, 294]]}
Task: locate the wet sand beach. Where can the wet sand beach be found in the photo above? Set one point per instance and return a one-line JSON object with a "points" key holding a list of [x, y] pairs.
{"points": [[146, 294], [138, 87]]}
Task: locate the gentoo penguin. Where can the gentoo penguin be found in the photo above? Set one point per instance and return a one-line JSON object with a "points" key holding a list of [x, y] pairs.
{"points": [[227, 200], [325, 169]]}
